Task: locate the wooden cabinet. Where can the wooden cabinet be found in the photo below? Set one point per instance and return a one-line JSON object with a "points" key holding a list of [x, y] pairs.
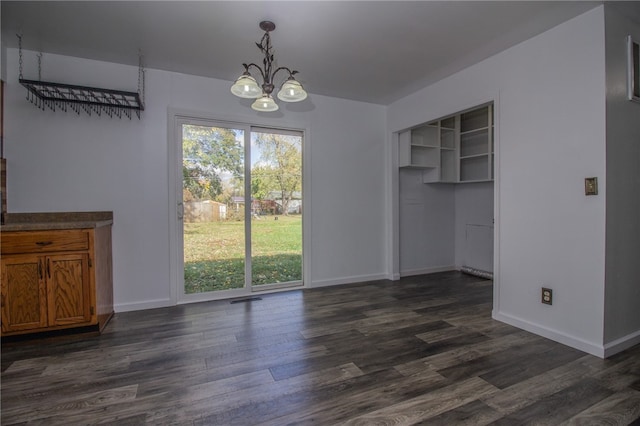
{"points": [[56, 279], [24, 294], [453, 149]]}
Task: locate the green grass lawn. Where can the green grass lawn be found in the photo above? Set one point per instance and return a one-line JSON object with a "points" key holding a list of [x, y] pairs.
{"points": [[214, 253]]}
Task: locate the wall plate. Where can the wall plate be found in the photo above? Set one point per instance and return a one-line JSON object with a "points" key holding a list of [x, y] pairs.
{"points": [[591, 186]]}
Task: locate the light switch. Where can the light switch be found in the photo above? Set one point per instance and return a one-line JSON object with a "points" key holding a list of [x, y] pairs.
{"points": [[591, 186]]}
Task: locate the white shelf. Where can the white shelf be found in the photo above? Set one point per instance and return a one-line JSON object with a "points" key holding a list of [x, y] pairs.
{"points": [[476, 145], [413, 145], [453, 149], [425, 136], [478, 130], [419, 166], [486, 154]]}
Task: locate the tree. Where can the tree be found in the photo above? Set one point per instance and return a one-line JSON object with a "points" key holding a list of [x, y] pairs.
{"points": [[209, 155], [261, 182], [280, 166]]}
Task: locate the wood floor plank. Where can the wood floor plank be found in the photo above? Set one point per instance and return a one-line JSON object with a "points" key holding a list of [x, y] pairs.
{"points": [[465, 353], [495, 361], [474, 413], [561, 405], [522, 369], [619, 376], [61, 406], [618, 409], [353, 401], [527, 392], [426, 406]]}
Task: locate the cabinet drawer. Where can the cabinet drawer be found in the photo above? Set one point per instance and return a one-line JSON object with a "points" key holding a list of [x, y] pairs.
{"points": [[44, 241]]}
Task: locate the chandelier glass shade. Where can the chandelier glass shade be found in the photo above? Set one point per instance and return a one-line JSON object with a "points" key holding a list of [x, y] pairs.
{"points": [[246, 86], [292, 91], [265, 103]]}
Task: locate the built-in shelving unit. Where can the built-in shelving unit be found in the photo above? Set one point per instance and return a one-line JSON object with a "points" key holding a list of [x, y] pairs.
{"points": [[476, 145], [453, 149], [419, 147]]}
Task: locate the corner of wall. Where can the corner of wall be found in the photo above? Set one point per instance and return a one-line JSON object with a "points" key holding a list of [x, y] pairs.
{"points": [[552, 334], [621, 316], [3, 61]]}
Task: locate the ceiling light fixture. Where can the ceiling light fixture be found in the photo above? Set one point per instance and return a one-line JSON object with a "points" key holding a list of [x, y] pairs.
{"points": [[247, 87]]}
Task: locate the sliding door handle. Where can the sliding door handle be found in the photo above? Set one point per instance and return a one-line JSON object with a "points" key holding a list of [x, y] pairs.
{"points": [[180, 210]]}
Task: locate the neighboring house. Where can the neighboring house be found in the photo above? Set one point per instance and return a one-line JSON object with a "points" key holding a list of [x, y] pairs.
{"points": [[236, 203], [295, 203]]}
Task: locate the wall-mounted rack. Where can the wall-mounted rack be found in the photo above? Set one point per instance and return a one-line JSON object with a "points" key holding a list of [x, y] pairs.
{"points": [[90, 99]]}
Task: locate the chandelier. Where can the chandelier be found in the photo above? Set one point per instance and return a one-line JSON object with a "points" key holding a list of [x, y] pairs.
{"points": [[247, 87]]}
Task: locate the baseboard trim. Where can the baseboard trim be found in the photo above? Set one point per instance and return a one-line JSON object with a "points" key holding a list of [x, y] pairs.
{"points": [[348, 280], [565, 339], [621, 344], [139, 306], [431, 270]]}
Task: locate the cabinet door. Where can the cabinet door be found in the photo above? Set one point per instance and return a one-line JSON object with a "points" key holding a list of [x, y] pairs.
{"points": [[68, 289], [24, 298]]}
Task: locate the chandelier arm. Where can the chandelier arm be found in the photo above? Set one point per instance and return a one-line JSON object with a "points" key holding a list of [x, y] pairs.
{"points": [[262, 73], [291, 73]]}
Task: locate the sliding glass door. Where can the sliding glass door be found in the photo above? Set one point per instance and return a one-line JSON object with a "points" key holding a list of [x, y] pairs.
{"points": [[276, 194], [213, 218], [240, 209]]}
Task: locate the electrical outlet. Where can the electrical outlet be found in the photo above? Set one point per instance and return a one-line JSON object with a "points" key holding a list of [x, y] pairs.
{"points": [[547, 296]]}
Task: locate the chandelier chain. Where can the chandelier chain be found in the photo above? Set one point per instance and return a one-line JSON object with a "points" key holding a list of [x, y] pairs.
{"points": [[19, 55], [141, 79], [40, 66]]}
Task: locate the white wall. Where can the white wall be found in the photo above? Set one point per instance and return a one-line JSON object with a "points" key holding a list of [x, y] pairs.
{"points": [[474, 219], [426, 225], [433, 224], [550, 128], [3, 61], [3, 56], [622, 289], [60, 161]]}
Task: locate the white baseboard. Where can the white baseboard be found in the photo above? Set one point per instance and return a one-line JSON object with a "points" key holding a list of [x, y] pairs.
{"points": [[621, 344], [348, 280], [557, 336], [163, 303], [431, 270], [139, 306]]}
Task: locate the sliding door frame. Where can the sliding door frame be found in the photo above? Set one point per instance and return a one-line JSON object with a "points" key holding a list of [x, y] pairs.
{"points": [[175, 119]]}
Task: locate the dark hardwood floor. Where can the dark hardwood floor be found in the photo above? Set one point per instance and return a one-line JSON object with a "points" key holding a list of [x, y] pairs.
{"points": [[420, 351]]}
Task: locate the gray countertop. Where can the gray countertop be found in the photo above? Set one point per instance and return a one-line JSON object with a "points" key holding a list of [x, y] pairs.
{"points": [[56, 220]]}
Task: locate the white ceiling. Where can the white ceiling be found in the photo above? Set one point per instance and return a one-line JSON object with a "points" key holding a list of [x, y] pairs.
{"points": [[372, 51]]}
